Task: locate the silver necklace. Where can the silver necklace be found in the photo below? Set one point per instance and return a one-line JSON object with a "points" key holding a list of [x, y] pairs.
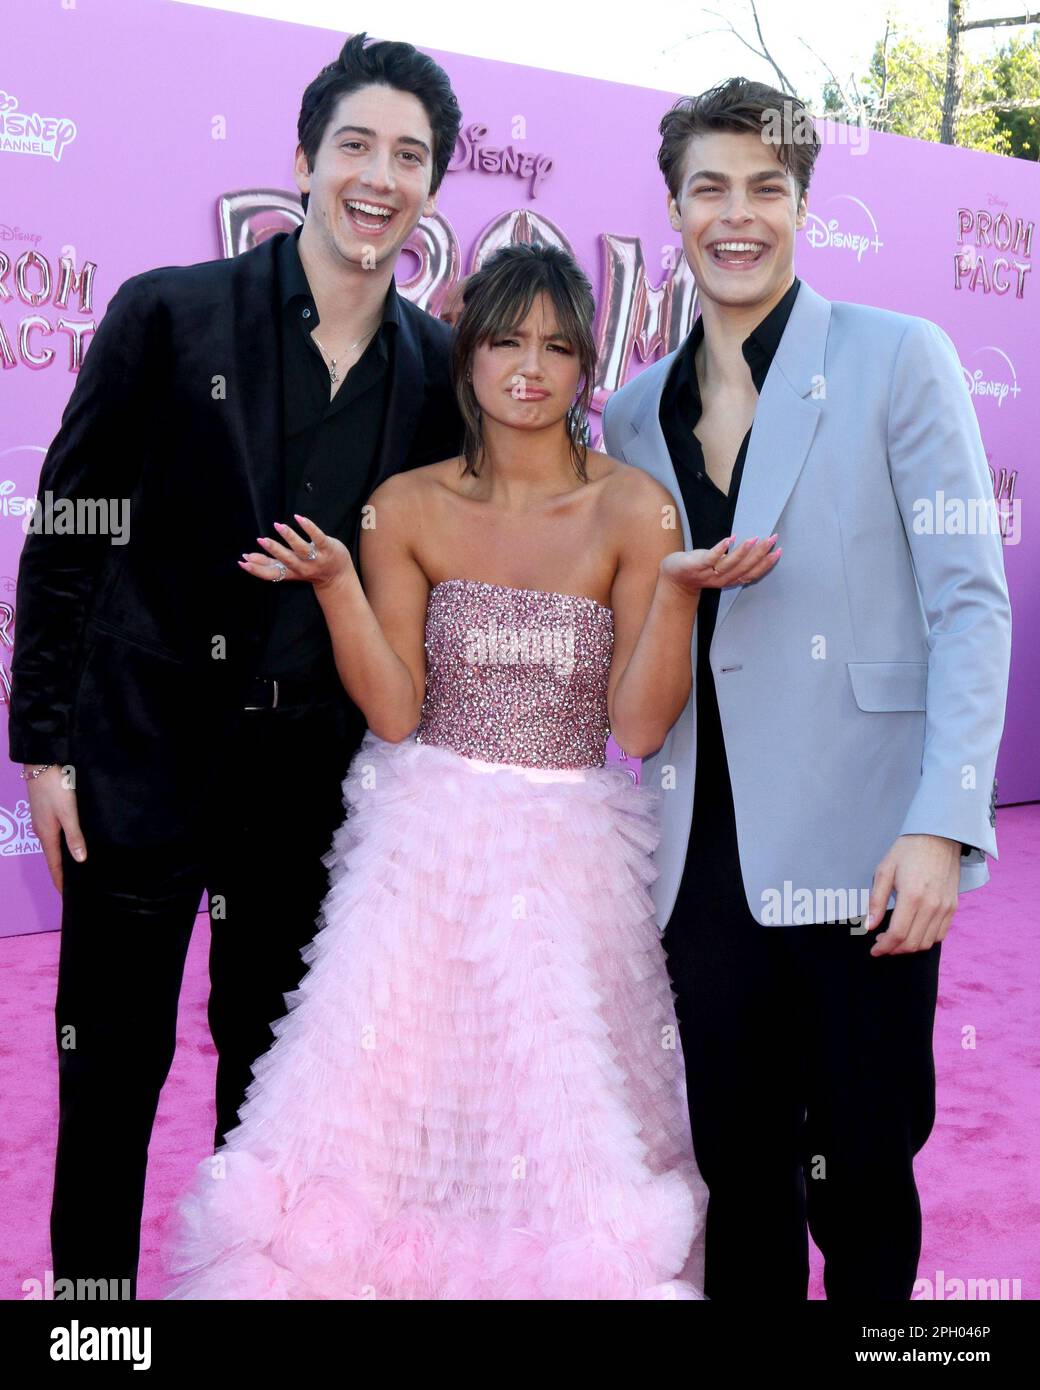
{"points": [[332, 360]]}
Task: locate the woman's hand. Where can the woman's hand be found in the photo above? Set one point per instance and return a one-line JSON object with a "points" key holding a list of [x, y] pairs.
{"points": [[693, 570], [321, 560]]}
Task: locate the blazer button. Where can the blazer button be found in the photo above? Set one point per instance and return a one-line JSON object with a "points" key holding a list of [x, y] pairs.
{"points": [[309, 486]]}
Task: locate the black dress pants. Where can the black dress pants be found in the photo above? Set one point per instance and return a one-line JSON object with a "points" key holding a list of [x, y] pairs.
{"points": [[267, 815], [811, 1086]]}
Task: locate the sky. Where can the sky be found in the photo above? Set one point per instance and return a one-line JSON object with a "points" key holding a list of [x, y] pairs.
{"points": [[686, 48]]}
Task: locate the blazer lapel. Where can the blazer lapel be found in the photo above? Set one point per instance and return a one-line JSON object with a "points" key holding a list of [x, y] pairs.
{"points": [[406, 394], [255, 384], [642, 440], [785, 422], [405, 402]]}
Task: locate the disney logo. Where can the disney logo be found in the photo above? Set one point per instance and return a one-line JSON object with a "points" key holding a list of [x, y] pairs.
{"points": [[16, 234], [980, 385], [819, 233], [470, 153], [25, 133]]}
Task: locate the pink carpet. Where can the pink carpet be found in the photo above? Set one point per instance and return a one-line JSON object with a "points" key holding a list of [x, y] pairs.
{"points": [[978, 1175]]}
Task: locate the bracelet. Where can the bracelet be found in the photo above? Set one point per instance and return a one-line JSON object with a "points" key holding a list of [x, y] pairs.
{"points": [[32, 776]]}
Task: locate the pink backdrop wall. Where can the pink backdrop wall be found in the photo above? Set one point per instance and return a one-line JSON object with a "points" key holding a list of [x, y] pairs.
{"points": [[127, 128]]}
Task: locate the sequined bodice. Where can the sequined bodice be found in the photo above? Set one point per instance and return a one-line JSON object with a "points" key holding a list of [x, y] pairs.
{"points": [[516, 675]]}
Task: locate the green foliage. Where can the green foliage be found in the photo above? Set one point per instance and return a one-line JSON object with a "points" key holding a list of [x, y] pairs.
{"points": [[903, 93], [1016, 74]]}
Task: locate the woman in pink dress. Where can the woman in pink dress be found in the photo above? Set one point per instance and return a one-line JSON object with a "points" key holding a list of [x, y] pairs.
{"points": [[477, 1091]]}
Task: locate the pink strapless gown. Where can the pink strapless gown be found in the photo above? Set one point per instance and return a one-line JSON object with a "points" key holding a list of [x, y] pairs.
{"points": [[478, 1089]]}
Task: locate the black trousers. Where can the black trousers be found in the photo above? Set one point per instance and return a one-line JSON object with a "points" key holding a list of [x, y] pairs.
{"points": [[265, 820], [811, 1085]]}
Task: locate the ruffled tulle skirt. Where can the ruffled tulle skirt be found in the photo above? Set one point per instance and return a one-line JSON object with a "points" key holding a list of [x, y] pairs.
{"points": [[477, 1091]]}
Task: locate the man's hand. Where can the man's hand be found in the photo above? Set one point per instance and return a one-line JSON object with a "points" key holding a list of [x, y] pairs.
{"points": [[53, 809], [924, 870]]}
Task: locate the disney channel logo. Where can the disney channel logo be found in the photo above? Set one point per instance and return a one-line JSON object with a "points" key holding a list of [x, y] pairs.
{"points": [[25, 133]]}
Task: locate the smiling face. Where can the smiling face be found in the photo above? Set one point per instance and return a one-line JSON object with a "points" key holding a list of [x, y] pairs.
{"points": [[527, 378], [738, 210], [371, 177]]}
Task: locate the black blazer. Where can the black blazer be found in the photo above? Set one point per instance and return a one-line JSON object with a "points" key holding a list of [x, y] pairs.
{"points": [[128, 658]]}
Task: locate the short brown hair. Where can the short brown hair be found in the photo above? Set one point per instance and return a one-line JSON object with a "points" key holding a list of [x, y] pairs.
{"points": [[739, 104]]}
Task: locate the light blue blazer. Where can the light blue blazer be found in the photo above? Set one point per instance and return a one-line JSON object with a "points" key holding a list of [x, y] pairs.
{"points": [[862, 683]]}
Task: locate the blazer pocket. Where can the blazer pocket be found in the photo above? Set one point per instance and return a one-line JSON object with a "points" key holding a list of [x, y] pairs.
{"points": [[889, 685]]}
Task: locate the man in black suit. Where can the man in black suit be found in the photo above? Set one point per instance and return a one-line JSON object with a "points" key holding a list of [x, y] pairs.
{"points": [[182, 727]]}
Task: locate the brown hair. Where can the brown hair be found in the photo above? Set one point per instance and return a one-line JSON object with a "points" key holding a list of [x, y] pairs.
{"points": [[739, 104], [496, 300]]}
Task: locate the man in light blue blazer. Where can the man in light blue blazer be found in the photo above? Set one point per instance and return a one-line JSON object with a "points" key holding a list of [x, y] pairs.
{"points": [[832, 775]]}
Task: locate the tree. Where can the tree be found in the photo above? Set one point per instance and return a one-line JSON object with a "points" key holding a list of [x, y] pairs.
{"points": [[1014, 86], [956, 106], [904, 91], [935, 92]]}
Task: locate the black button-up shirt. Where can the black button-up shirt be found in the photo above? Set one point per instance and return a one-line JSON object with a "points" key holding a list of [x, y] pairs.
{"points": [[712, 881], [331, 447]]}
